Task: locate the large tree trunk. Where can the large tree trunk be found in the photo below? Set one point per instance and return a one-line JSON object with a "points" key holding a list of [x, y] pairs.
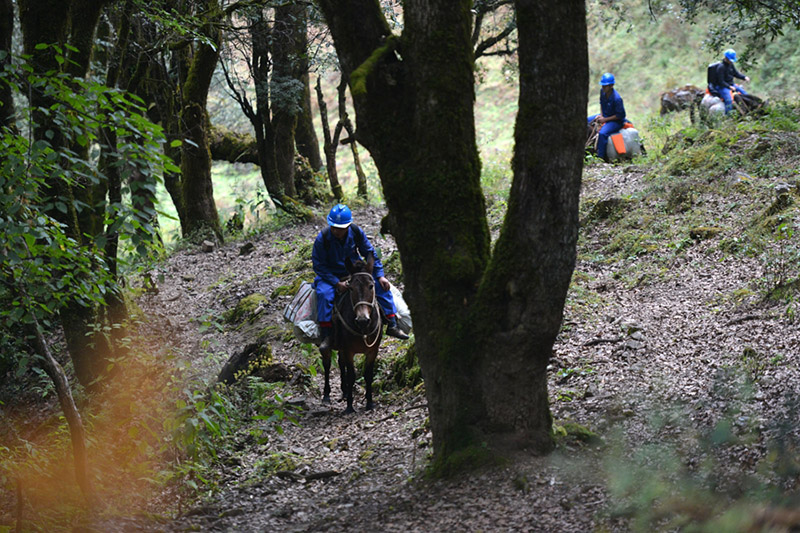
{"points": [[48, 22], [7, 113], [521, 301], [286, 91], [197, 187], [306, 135], [483, 330]]}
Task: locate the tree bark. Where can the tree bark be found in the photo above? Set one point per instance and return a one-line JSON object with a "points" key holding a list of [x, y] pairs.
{"points": [[197, 187], [227, 145], [76, 430], [305, 134], [330, 144], [344, 122], [7, 112], [287, 92], [482, 345], [47, 22]]}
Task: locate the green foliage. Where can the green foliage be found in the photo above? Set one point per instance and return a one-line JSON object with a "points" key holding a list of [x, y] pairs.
{"points": [[679, 478], [44, 265]]}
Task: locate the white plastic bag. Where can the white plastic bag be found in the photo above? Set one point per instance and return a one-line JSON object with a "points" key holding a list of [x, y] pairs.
{"points": [[403, 312], [302, 313]]}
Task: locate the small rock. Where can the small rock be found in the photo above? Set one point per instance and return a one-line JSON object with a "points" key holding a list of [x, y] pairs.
{"points": [[246, 248], [633, 345], [207, 246]]}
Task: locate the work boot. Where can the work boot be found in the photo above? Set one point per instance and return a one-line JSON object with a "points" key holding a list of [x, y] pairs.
{"points": [[394, 331]]}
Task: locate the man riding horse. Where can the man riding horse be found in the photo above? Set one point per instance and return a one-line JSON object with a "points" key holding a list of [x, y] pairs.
{"points": [[720, 79], [340, 240]]}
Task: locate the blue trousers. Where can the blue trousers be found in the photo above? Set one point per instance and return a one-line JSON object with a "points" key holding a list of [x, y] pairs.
{"points": [[327, 292], [725, 94], [608, 129]]}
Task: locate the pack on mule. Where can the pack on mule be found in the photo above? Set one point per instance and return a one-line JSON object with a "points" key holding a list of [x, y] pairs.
{"points": [[356, 329], [624, 144], [679, 98]]}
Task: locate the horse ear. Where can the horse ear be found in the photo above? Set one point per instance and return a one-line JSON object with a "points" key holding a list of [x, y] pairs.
{"points": [[348, 264], [370, 263]]}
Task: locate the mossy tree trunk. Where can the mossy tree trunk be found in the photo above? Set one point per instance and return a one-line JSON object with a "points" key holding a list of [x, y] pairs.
{"points": [[286, 89], [306, 136], [484, 330], [48, 21], [197, 188], [7, 118], [273, 121]]}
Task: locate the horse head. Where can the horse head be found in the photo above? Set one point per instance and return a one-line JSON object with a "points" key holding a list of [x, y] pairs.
{"points": [[362, 291]]}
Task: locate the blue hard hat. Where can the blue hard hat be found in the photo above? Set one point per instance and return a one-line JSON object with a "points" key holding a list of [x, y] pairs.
{"points": [[730, 53], [607, 79], [340, 216]]}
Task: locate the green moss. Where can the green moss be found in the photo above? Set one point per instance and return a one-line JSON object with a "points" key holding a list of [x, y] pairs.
{"points": [[358, 78], [702, 233], [608, 209], [245, 309], [289, 290], [571, 432], [271, 332], [464, 460]]}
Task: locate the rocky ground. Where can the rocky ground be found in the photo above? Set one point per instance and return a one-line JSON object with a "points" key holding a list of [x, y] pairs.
{"points": [[682, 383]]}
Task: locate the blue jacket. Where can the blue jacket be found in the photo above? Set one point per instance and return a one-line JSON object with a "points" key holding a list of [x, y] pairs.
{"points": [[328, 254], [725, 74], [610, 106]]}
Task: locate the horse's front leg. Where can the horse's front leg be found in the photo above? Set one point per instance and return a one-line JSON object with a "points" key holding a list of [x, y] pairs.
{"points": [[342, 356], [348, 380], [326, 364], [369, 369]]}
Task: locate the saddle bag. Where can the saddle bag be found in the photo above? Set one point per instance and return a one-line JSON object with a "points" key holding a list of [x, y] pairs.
{"points": [[403, 312], [625, 144], [302, 313]]}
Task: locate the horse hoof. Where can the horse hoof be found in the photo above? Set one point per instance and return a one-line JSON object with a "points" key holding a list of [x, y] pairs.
{"points": [[370, 406], [326, 399], [349, 411]]}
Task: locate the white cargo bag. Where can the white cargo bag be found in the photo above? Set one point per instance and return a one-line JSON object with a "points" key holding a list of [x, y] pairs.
{"points": [[632, 144], [302, 313], [403, 312]]}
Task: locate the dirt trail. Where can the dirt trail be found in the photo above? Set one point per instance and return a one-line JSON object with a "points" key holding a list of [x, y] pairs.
{"points": [[647, 351]]}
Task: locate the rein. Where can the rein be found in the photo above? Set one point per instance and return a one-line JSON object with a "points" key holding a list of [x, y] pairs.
{"points": [[374, 305]]}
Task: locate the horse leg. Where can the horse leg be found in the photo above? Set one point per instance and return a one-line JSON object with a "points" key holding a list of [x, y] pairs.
{"points": [[343, 373], [369, 369], [348, 381], [326, 364]]}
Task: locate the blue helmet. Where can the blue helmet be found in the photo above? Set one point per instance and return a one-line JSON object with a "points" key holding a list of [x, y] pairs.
{"points": [[607, 79], [730, 53], [340, 216]]}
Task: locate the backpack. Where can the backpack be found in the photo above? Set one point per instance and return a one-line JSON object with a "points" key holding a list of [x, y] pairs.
{"points": [[712, 74]]}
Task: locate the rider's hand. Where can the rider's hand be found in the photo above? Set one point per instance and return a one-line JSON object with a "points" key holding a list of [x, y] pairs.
{"points": [[384, 283], [341, 286], [747, 78]]}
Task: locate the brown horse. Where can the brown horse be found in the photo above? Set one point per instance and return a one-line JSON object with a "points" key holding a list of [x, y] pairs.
{"points": [[357, 328]]}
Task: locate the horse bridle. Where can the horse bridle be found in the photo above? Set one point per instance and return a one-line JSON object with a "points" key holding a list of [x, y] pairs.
{"points": [[373, 304]]}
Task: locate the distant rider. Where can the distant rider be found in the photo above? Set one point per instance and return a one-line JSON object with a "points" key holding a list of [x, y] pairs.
{"points": [[611, 116], [720, 79], [343, 239]]}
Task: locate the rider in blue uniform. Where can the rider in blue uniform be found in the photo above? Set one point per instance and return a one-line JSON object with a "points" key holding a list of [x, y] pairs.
{"points": [[344, 239], [720, 81], [611, 116]]}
